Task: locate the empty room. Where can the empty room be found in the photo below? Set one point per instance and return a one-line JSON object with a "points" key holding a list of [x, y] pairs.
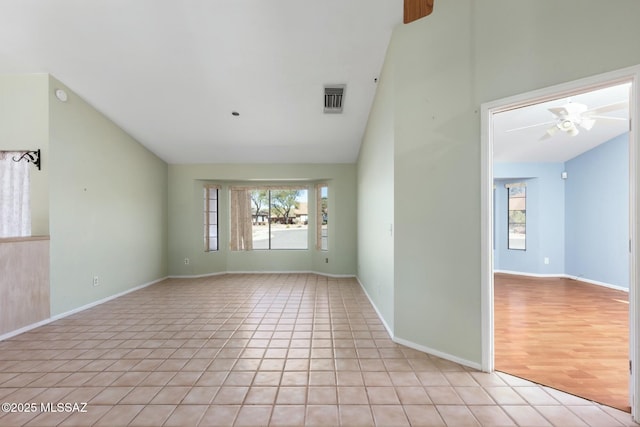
{"points": [[562, 243], [273, 213]]}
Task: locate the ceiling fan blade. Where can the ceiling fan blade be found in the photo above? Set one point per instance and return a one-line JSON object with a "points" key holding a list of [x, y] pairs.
{"points": [[607, 108], [531, 126], [416, 9], [559, 111], [549, 133], [617, 119], [587, 123]]}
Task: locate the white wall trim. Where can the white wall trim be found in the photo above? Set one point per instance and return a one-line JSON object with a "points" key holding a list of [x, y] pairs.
{"points": [[106, 299], [386, 326], [564, 276], [24, 329], [524, 273], [197, 276], [76, 310], [439, 354], [415, 346]]}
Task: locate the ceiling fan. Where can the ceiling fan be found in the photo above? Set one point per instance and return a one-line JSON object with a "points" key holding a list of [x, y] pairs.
{"points": [[573, 116]]}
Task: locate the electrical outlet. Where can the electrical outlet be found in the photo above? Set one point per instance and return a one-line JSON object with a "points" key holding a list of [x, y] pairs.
{"points": [[186, 261], [326, 260], [546, 260], [96, 281]]}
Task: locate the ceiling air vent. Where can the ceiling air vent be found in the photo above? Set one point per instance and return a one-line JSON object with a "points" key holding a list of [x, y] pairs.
{"points": [[333, 97]]}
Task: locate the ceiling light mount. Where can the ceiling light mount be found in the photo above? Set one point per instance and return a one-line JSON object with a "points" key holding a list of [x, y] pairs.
{"points": [[61, 95]]}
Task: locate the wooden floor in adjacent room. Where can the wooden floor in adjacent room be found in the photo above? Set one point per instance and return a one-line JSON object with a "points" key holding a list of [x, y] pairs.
{"points": [[566, 334]]}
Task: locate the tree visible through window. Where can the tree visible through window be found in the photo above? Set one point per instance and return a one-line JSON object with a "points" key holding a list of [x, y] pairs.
{"points": [[280, 218], [517, 216]]}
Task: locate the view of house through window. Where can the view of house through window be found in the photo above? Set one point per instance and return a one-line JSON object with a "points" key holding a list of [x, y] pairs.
{"points": [[211, 218], [517, 216], [280, 218]]}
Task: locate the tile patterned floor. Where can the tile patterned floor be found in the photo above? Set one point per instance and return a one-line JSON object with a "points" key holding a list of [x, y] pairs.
{"points": [[250, 350]]}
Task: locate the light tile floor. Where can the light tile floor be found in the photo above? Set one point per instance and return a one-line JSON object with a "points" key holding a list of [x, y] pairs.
{"points": [[249, 350]]}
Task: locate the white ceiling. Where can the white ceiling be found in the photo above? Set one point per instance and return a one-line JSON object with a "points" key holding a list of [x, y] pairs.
{"points": [[525, 145], [170, 72]]}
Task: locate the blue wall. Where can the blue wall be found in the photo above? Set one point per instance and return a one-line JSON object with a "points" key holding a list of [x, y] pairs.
{"points": [[545, 218], [581, 224], [597, 213]]}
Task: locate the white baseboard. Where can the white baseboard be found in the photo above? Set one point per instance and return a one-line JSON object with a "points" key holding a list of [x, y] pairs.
{"points": [[439, 354], [106, 299], [196, 276], [24, 329], [75, 310], [337, 276], [520, 273], [564, 276], [415, 346], [595, 282], [386, 326]]}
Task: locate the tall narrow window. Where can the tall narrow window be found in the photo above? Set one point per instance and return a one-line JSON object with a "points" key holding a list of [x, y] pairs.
{"points": [[15, 206], [517, 216], [210, 218], [322, 217]]}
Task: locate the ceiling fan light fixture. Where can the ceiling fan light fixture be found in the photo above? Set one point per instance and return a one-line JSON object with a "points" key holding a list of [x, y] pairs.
{"points": [[565, 125]]}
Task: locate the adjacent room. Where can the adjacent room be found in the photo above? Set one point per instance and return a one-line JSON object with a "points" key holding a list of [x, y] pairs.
{"points": [[561, 236], [250, 213]]}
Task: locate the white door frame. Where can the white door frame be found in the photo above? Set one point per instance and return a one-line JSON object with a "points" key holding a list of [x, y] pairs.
{"points": [[631, 74]]}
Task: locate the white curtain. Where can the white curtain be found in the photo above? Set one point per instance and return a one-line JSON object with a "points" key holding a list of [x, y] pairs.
{"points": [[15, 211], [241, 220]]}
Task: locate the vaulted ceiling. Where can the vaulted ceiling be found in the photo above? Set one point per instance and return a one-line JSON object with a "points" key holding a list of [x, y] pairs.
{"points": [[171, 72]]}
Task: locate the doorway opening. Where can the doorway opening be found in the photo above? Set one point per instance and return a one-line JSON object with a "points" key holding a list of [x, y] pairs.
{"points": [[545, 157]]}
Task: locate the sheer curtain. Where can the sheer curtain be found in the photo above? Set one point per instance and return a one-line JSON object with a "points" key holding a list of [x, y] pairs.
{"points": [[241, 224], [15, 212]]}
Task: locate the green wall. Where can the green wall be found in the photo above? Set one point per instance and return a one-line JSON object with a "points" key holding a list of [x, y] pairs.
{"points": [[108, 206], [24, 125], [376, 201], [185, 219], [443, 68]]}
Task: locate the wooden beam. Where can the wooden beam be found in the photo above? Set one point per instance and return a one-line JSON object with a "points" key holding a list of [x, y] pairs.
{"points": [[416, 9]]}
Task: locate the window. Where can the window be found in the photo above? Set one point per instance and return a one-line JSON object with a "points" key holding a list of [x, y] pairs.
{"points": [[15, 206], [322, 217], [269, 218], [517, 206], [210, 218]]}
